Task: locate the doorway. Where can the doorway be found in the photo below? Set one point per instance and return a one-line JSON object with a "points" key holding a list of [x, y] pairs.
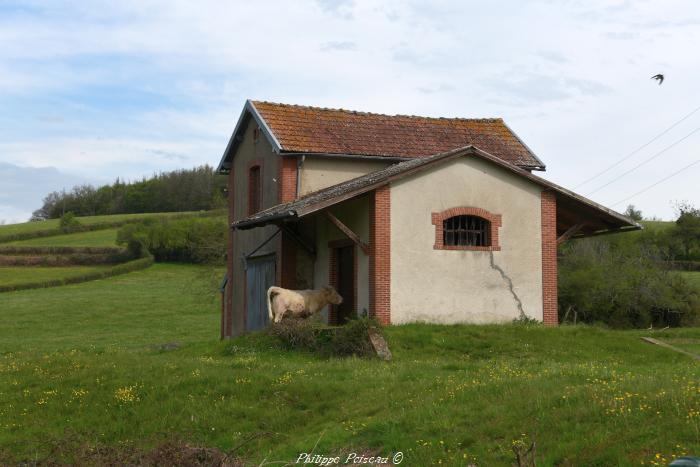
{"points": [[343, 278], [260, 275]]}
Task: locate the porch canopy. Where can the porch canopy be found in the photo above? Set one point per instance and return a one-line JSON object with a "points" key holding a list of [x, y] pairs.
{"points": [[577, 216]]}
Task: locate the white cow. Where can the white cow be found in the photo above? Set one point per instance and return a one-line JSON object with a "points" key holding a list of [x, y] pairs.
{"points": [[299, 303]]}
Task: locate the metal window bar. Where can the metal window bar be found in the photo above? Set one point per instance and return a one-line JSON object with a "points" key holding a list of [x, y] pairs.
{"points": [[466, 231]]}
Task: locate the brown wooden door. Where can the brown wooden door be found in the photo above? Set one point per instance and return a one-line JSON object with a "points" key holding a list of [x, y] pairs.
{"points": [[346, 282]]}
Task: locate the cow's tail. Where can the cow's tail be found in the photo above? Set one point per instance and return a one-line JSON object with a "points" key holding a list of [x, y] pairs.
{"points": [[270, 292]]}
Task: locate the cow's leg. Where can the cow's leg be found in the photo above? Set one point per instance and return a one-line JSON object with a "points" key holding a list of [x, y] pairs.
{"points": [[279, 306]]}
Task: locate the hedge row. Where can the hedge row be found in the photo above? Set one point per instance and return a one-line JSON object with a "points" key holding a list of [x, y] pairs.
{"points": [[135, 265], [685, 265], [78, 227], [76, 259], [60, 250]]}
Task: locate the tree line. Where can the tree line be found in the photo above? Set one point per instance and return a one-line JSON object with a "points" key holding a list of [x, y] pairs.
{"points": [[199, 188]]}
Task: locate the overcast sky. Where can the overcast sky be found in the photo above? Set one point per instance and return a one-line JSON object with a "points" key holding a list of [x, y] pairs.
{"points": [[91, 91]]}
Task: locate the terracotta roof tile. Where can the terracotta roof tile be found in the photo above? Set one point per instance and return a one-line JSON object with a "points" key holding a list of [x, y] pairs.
{"points": [[338, 131]]}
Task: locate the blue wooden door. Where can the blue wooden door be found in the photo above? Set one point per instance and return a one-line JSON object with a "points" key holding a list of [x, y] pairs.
{"points": [[260, 275]]}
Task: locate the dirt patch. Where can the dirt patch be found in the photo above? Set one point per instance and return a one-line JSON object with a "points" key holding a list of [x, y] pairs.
{"points": [[170, 453]]}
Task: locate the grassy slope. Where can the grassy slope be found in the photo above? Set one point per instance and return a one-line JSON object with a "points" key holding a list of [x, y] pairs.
{"points": [[80, 358], [19, 274], [54, 223], [693, 277], [657, 225], [107, 237], [160, 303]]}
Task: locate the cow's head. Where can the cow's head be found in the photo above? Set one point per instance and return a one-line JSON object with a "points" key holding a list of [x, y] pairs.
{"points": [[332, 295]]}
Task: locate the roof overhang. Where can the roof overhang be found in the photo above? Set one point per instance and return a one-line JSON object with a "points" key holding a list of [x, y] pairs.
{"points": [[572, 208]]}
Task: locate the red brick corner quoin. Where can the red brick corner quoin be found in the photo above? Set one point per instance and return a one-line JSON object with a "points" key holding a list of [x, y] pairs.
{"points": [[286, 192], [438, 218], [380, 255], [549, 258]]}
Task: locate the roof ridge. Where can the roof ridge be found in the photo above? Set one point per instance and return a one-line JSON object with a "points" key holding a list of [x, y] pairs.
{"points": [[361, 112]]}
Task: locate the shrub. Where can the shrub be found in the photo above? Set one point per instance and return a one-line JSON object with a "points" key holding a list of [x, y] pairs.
{"points": [[69, 223], [623, 284], [687, 232], [196, 240], [525, 320], [59, 250], [65, 259], [298, 334], [304, 334], [684, 265], [133, 238]]}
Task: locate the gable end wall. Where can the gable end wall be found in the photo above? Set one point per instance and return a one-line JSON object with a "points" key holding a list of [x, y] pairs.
{"points": [[243, 242], [465, 286]]}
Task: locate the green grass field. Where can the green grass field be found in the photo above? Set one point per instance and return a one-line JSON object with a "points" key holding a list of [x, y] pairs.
{"points": [[693, 277], [11, 229], [106, 237], [657, 225], [80, 366], [132, 310], [19, 274]]}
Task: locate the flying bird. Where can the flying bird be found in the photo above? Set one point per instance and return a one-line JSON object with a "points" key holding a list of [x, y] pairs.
{"points": [[659, 78]]}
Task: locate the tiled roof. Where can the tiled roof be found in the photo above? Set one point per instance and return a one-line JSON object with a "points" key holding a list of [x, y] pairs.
{"points": [[336, 131]]}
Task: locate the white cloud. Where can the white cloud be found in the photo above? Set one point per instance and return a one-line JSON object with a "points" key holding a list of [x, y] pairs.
{"points": [[96, 158], [572, 78], [23, 189]]}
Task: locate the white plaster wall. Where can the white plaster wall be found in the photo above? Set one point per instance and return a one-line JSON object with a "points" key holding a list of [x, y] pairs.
{"points": [[457, 286], [322, 172], [355, 214]]}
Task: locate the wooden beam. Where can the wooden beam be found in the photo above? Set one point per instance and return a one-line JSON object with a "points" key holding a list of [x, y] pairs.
{"points": [[297, 238], [606, 232], [348, 233], [569, 233], [263, 243]]}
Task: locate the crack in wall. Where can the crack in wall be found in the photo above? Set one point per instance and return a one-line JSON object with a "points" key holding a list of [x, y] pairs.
{"points": [[508, 281]]}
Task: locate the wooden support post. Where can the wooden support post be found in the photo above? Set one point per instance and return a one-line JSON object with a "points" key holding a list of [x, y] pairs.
{"points": [[348, 233], [571, 231]]}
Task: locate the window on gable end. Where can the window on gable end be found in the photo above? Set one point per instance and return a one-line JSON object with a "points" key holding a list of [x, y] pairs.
{"points": [[466, 231], [254, 190], [466, 228]]}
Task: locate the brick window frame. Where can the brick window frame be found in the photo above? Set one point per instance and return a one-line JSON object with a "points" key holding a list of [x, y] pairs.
{"points": [[437, 218], [252, 165]]}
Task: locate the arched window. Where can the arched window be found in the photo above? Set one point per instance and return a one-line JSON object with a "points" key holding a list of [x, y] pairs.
{"points": [[466, 228], [466, 231]]}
